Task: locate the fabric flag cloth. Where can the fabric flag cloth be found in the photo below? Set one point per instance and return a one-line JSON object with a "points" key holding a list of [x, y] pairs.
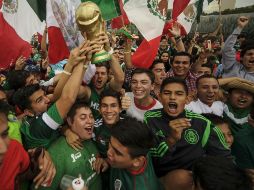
{"points": [[57, 50], [109, 8], [18, 22], [149, 17], [185, 12], [120, 21]]}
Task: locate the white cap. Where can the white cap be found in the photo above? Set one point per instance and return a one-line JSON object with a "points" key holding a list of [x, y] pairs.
{"points": [[78, 184]]}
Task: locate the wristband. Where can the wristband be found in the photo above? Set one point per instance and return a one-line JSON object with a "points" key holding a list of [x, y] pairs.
{"points": [[66, 72]]}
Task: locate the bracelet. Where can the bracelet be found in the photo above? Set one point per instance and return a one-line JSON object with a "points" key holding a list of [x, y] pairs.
{"points": [[177, 38], [66, 72], [111, 51], [127, 52], [85, 66]]}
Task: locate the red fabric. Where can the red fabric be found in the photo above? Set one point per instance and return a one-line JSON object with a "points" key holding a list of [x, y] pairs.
{"points": [[178, 7], [15, 161], [12, 46], [146, 52], [238, 56], [120, 21], [58, 49], [169, 25]]}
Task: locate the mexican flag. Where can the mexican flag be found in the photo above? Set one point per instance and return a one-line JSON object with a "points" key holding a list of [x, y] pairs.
{"points": [[63, 32], [19, 20], [192, 11], [149, 17]]}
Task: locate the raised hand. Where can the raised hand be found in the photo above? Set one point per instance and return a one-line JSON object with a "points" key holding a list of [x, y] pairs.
{"points": [[242, 21], [177, 126], [175, 31], [20, 63]]}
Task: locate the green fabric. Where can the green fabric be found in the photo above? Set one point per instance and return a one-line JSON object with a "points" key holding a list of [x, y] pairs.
{"points": [[109, 8], [94, 103], [63, 156], [243, 148], [143, 181], [54, 114], [238, 113], [40, 140], [102, 137], [39, 8], [14, 128], [36, 133]]}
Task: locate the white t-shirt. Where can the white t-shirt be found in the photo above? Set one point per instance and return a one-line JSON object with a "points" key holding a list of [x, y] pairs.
{"points": [[138, 111], [199, 107]]}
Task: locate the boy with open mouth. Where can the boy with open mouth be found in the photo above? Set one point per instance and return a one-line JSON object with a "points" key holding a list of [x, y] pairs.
{"points": [[181, 136]]}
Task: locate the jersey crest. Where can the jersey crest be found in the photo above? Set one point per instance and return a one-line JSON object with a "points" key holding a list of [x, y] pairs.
{"points": [[191, 136]]}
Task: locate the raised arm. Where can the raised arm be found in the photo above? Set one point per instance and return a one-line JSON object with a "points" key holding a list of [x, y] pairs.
{"points": [[228, 51], [116, 82]]}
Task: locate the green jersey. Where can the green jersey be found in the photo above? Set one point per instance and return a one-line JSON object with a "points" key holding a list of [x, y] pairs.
{"points": [[71, 162], [144, 179], [101, 137], [94, 101], [243, 148], [41, 131], [238, 118]]}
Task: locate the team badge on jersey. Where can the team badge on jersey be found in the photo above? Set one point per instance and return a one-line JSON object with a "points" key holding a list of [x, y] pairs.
{"points": [[191, 136]]}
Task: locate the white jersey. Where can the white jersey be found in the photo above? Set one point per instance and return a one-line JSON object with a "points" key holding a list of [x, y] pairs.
{"points": [[138, 111], [199, 107]]}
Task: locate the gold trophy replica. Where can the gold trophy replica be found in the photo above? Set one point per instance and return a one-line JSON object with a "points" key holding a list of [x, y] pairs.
{"points": [[89, 21]]}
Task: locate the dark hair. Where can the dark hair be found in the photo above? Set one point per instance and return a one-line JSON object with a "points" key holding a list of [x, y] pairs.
{"points": [[22, 95], [163, 38], [182, 53], [205, 76], [171, 81], [219, 173], [17, 78], [104, 64], [246, 45], [5, 108], [215, 119], [207, 65], [111, 93], [155, 62], [134, 135], [146, 71], [78, 104]]}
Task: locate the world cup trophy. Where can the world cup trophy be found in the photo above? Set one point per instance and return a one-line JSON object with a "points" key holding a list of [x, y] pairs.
{"points": [[90, 22]]}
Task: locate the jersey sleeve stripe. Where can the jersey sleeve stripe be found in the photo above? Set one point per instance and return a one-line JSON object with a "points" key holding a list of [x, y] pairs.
{"points": [[49, 121]]}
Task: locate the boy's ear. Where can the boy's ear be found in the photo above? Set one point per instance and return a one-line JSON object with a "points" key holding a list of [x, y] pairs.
{"points": [[139, 161], [28, 112]]}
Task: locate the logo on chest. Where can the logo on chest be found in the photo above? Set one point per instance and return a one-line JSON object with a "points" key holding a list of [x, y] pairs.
{"points": [[76, 156], [191, 136]]}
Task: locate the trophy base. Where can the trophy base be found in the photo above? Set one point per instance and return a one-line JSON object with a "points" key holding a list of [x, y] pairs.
{"points": [[100, 57]]}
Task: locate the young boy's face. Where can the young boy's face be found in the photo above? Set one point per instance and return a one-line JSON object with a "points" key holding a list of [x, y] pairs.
{"points": [[118, 155], [173, 98], [240, 99]]}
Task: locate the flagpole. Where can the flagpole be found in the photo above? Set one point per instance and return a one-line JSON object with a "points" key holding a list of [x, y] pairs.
{"points": [[220, 16]]}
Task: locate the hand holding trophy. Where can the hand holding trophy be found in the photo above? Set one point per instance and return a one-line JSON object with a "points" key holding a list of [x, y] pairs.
{"points": [[91, 24]]}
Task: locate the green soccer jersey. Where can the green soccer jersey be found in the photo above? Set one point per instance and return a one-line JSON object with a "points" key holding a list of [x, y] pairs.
{"points": [[101, 137], [145, 179], [94, 101], [41, 131], [243, 148], [71, 162]]}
